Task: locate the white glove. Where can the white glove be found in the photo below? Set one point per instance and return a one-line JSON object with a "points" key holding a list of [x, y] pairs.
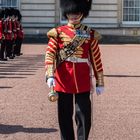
{"points": [[51, 82], [99, 90]]}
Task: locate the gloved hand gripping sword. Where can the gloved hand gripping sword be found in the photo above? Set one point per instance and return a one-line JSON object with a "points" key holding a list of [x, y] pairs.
{"points": [[53, 95]]}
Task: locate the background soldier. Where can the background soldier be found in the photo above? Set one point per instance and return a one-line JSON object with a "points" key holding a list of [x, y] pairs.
{"points": [[20, 33], [8, 33], [14, 30], [76, 46], [2, 37]]}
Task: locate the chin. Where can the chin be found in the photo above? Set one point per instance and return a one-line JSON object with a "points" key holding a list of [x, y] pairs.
{"points": [[74, 21]]}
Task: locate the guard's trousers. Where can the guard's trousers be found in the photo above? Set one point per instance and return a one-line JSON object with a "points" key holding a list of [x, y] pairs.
{"points": [[17, 49], [2, 50], [82, 107]]}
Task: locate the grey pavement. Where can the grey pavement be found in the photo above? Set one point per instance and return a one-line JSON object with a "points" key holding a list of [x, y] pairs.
{"points": [[26, 113]]}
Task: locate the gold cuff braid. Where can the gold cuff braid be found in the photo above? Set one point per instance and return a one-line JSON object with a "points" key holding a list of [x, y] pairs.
{"points": [[50, 71], [100, 79]]}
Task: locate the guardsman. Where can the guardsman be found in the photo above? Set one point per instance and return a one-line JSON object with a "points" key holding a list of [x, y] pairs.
{"points": [[1, 28], [8, 33], [71, 51], [20, 33], [2, 37], [14, 30], [1, 34]]}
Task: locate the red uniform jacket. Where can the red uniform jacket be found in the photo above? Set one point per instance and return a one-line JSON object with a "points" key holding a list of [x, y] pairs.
{"points": [[8, 29], [20, 33], [1, 29], [14, 29], [73, 77]]}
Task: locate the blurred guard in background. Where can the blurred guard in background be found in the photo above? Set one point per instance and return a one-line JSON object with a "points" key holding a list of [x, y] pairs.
{"points": [[2, 37], [71, 49], [8, 33], [20, 33], [14, 30]]}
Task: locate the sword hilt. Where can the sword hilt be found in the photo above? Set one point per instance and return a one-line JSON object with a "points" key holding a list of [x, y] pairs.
{"points": [[53, 95]]}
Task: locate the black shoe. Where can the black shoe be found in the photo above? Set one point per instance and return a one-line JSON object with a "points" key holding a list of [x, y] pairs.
{"points": [[3, 59], [19, 54], [11, 57]]}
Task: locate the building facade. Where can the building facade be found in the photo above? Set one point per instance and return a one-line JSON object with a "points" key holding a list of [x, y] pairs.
{"points": [[109, 17]]}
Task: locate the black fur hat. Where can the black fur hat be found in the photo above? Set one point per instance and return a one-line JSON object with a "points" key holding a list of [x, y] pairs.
{"points": [[1, 13], [7, 12], [75, 6]]}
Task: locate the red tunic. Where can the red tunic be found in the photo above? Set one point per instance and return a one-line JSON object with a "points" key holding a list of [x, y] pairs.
{"points": [[73, 77], [20, 33], [8, 29], [1, 29], [14, 29]]}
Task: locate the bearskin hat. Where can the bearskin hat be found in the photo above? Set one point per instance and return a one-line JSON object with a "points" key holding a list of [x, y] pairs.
{"points": [[6, 11], [1, 13], [75, 6]]}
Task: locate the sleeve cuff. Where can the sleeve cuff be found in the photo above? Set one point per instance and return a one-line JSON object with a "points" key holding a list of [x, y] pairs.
{"points": [[100, 79]]}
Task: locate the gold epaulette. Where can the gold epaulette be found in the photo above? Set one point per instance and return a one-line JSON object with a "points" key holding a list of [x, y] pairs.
{"points": [[52, 33], [97, 35]]}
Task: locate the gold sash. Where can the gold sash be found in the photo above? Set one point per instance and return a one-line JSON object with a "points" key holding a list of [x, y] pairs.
{"points": [[69, 49]]}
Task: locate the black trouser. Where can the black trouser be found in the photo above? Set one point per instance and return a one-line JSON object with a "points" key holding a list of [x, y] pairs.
{"points": [[9, 47], [3, 50], [82, 115], [18, 43]]}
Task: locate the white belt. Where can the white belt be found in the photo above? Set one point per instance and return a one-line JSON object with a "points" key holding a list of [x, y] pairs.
{"points": [[77, 60]]}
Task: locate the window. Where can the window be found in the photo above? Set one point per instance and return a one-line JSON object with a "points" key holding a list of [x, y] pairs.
{"points": [[9, 3], [131, 11]]}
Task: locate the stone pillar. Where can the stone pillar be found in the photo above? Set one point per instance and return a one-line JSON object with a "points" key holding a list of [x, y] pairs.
{"points": [[57, 13]]}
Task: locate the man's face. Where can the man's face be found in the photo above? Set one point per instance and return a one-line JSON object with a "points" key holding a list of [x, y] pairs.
{"points": [[74, 18]]}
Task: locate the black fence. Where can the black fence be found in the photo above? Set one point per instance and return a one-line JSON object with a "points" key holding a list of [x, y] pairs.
{"points": [[106, 39]]}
